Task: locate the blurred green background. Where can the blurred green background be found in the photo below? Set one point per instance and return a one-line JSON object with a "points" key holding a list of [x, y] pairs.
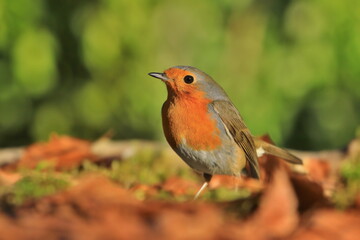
{"points": [[80, 67]]}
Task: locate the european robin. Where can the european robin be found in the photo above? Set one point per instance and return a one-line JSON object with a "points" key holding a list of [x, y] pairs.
{"points": [[205, 129]]}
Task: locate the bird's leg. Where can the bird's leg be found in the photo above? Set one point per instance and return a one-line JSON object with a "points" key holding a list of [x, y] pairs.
{"points": [[207, 178]]}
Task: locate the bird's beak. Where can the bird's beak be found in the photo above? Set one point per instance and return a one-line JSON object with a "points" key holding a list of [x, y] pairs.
{"points": [[161, 76]]}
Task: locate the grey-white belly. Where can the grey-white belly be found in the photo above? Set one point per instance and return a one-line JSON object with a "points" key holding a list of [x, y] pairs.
{"points": [[217, 161]]}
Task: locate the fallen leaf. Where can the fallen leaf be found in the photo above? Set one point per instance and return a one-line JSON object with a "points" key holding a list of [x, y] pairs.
{"points": [[277, 214], [188, 221], [233, 182], [63, 151], [310, 194], [330, 225], [8, 178], [180, 186], [318, 169]]}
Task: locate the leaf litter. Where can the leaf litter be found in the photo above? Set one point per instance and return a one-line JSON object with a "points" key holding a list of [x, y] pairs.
{"points": [[64, 189]]}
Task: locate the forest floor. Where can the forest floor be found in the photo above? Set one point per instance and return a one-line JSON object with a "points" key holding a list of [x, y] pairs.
{"points": [[70, 188]]}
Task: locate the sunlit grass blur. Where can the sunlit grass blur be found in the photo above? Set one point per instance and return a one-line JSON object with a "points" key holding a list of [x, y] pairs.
{"points": [[80, 67]]}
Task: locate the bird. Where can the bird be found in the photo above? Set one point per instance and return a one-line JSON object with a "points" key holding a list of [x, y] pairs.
{"points": [[206, 130]]}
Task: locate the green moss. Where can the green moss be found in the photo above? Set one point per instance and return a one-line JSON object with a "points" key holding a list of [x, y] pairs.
{"points": [[31, 187], [225, 194], [350, 170], [346, 193], [149, 166], [34, 184]]}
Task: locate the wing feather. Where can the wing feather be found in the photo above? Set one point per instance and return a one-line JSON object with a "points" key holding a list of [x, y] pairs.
{"points": [[232, 120]]}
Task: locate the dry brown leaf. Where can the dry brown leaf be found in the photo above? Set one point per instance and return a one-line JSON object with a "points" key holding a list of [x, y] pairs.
{"points": [[269, 165], [225, 181], [277, 214], [318, 169], [188, 221], [98, 209], [233, 182], [330, 225], [180, 186], [310, 194], [8, 178], [63, 151]]}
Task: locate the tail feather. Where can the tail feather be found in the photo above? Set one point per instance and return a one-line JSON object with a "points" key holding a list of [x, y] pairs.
{"points": [[277, 152]]}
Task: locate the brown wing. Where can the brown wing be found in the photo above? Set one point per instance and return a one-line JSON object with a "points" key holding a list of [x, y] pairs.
{"points": [[241, 134]]}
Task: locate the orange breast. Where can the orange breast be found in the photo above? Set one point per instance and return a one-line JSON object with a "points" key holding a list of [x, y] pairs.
{"points": [[187, 119]]}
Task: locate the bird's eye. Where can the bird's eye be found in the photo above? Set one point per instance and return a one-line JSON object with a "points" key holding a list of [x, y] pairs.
{"points": [[188, 79]]}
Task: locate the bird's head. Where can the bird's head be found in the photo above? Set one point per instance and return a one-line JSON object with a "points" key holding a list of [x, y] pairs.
{"points": [[186, 81]]}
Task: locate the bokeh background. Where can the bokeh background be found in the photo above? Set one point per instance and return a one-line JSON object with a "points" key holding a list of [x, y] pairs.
{"points": [[80, 67]]}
